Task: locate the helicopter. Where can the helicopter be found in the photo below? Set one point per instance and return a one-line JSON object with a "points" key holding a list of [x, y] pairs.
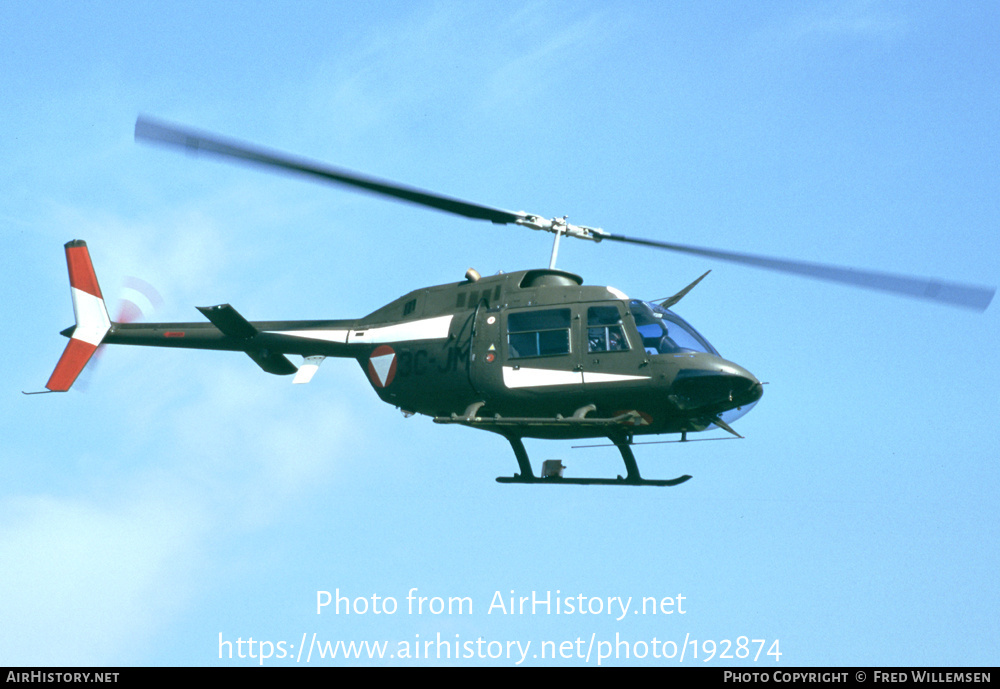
{"points": [[527, 354]]}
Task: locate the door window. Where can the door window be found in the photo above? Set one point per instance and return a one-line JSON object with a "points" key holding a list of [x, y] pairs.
{"points": [[604, 330], [538, 333]]}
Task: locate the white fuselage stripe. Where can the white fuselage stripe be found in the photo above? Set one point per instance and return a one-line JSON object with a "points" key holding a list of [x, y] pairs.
{"points": [[543, 377], [539, 377], [325, 335], [591, 377], [424, 329]]}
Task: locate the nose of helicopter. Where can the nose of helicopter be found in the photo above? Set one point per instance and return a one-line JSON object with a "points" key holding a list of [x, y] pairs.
{"points": [[718, 388]]}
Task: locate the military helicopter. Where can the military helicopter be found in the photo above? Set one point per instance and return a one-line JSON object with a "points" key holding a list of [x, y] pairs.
{"points": [[528, 354]]}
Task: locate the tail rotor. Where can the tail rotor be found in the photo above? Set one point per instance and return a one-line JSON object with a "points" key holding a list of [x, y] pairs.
{"points": [[138, 300]]}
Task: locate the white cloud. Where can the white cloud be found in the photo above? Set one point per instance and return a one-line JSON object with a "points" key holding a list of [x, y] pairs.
{"points": [[86, 579], [859, 19], [547, 49]]}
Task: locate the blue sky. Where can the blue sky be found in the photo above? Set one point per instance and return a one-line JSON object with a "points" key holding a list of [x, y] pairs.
{"points": [[177, 496]]}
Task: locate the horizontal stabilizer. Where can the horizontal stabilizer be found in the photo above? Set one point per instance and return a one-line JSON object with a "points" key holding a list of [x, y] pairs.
{"points": [[272, 362], [229, 321], [232, 324]]}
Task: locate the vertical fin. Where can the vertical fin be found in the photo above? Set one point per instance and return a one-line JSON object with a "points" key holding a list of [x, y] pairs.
{"points": [[92, 320]]}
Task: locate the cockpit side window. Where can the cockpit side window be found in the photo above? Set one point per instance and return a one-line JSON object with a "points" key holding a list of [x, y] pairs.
{"points": [[604, 330], [538, 333]]}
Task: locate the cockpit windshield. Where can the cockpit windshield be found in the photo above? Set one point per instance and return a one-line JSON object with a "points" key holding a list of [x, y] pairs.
{"points": [[664, 332]]}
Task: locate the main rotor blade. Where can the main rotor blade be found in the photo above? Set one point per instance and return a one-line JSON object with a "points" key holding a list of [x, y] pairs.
{"points": [[953, 294], [193, 141]]}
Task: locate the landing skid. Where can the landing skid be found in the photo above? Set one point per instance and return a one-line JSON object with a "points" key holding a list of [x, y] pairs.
{"points": [[621, 441], [560, 481]]}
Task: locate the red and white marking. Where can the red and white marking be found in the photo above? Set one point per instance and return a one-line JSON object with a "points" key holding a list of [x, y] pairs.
{"points": [[92, 321], [382, 366]]}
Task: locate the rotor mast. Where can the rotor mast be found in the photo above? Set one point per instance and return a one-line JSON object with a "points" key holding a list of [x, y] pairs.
{"points": [[555, 249]]}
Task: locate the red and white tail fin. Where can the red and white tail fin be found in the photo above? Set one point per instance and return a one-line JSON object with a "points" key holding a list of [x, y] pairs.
{"points": [[92, 321]]}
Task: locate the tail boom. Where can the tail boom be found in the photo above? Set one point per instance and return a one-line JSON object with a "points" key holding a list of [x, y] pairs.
{"points": [[266, 342]]}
